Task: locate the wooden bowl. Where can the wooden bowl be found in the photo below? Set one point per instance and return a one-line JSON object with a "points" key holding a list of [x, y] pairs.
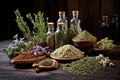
{"points": [[67, 59], [19, 60], [105, 52], [39, 67], [84, 44]]}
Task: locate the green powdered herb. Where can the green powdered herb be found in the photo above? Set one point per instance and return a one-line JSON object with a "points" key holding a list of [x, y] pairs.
{"points": [[46, 62], [82, 66], [84, 35]]}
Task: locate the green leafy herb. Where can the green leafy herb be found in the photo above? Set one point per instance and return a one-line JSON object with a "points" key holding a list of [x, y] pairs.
{"points": [[17, 46], [38, 33]]}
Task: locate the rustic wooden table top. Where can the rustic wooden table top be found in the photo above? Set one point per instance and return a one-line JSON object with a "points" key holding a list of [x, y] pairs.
{"points": [[8, 71]]}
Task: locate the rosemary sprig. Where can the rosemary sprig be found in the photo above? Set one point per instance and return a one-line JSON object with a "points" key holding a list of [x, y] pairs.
{"points": [[38, 32]]}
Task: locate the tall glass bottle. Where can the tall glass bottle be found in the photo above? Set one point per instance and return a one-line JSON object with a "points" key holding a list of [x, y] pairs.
{"points": [[113, 28], [62, 18], [104, 27], [74, 25], [118, 30], [51, 36], [60, 36]]}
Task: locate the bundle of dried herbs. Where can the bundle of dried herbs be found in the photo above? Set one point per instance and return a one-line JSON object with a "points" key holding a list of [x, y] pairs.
{"points": [[82, 66], [37, 33]]}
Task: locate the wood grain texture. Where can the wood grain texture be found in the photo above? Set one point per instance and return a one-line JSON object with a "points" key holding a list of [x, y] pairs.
{"points": [[90, 12]]}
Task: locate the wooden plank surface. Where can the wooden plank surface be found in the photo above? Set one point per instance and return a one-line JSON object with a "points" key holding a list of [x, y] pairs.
{"points": [[8, 71]]}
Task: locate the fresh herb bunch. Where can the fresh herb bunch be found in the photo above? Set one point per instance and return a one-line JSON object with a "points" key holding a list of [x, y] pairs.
{"points": [[38, 33], [105, 43], [39, 50], [18, 46]]}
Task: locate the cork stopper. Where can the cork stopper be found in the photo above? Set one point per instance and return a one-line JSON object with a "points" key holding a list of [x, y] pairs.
{"points": [[61, 13], [114, 14], [61, 24], [75, 12], [50, 24], [104, 17]]}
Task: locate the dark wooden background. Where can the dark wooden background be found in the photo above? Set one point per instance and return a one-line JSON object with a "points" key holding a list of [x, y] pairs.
{"points": [[90, 12]]}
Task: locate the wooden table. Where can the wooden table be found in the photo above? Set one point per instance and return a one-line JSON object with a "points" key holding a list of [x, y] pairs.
{"points": [[8, 71]]}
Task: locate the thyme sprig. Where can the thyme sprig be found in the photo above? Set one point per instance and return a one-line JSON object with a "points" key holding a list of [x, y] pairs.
{"points": [[38, 33]]}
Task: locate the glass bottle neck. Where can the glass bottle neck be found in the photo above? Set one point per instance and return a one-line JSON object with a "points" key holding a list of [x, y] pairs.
{"points": [[75, 16], [114, 20], [62, 17], [51, 29]]}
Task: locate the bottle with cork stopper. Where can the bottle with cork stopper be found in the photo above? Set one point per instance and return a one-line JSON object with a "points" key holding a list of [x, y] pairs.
{"points": [[60, 36], [104, 27], [114, 28], [75, 27], [51, 36], [62, 18]]}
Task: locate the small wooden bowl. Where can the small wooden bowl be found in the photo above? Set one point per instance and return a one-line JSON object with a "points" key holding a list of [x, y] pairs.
{"points": [[84, 44], [67, 59], [105, 52], [19, 60], [38, 67]]}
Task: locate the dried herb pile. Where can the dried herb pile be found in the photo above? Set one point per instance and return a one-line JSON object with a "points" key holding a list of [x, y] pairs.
{"points": [[82, 66], [84, 35], [46, 62], [87, 65], [67, 51]]}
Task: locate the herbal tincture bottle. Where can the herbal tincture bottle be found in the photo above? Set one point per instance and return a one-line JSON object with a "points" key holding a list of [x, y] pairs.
{"points": [[60, 36], [104, 27], [113, 28], [51, 36], [62, 18], [74, 25]]}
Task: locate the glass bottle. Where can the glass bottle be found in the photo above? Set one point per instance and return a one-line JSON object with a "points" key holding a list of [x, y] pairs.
{"points": [[118, 30], [60, 36], [74, 25], [62, 18], [51, 36], [104, 27], [113, 27]]}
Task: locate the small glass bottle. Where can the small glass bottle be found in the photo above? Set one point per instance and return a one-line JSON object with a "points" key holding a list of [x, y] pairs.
{"points": [[118, 30], [60, 36], [51, 36], [74, 25], [104, 27], [62, 18], [113, 27]]}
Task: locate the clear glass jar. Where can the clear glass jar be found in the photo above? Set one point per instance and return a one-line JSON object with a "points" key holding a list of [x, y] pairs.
{"points": [[60, 36], [51, 36], [74, 25]]}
